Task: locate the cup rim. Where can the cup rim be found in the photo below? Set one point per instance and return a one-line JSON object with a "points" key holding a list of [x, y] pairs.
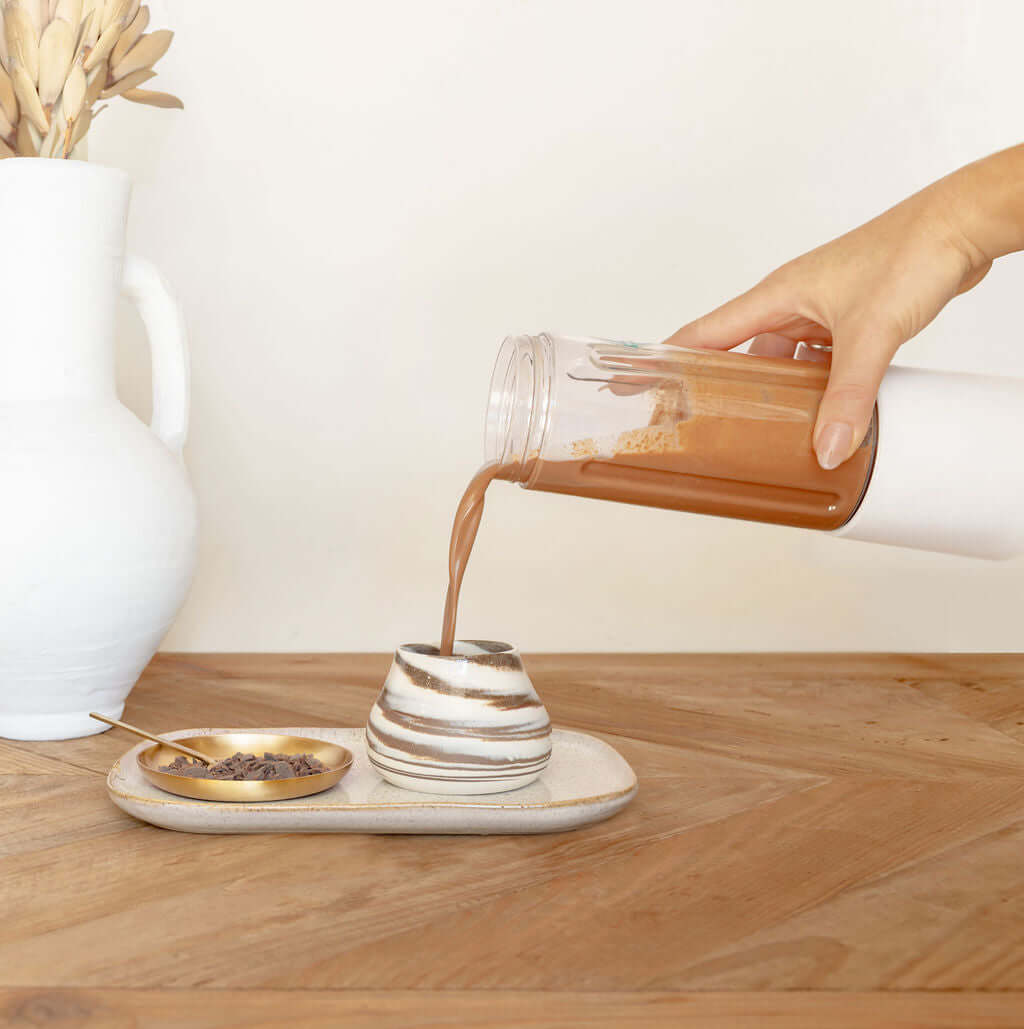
{"points": [[490, 648]]}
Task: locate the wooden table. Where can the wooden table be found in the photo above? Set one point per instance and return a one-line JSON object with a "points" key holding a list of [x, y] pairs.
{"points": [[819, 840]]}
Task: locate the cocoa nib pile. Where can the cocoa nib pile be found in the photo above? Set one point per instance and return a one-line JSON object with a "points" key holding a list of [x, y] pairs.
{"points": [[248, 766]]}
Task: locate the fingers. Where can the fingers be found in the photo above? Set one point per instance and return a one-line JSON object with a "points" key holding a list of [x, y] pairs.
{"points": [[758, 310], [860, 357]]}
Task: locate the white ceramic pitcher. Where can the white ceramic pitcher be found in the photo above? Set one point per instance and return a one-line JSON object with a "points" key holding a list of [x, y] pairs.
{"points": [[98, 521]]}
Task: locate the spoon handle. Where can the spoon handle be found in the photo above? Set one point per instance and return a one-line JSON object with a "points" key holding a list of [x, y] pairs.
{"points": [[205, 758]]}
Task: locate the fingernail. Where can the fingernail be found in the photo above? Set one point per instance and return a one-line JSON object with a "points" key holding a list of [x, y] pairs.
{"points": [[833, 446]]}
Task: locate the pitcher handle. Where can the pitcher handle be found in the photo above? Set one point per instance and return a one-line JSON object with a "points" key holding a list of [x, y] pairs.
{"points": [[168, 343]]}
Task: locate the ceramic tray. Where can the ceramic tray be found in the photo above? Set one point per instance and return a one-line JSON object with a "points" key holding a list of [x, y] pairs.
{"points": [[586, 781]]}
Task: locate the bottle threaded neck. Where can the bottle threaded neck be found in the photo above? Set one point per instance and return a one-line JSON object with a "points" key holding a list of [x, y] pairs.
{"points": [[517, 407]]}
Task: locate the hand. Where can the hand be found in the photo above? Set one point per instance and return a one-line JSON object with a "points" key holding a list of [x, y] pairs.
{"points": [[865, 294]]}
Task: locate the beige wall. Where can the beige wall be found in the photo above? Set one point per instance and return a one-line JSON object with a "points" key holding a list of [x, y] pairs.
{"points": [[361, 199]]}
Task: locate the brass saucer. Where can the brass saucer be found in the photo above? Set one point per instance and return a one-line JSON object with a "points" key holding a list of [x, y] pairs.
{"points": [[221, 745]]}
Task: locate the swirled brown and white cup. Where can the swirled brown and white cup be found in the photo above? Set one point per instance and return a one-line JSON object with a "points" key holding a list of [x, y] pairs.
{"points": [[468, 723]]}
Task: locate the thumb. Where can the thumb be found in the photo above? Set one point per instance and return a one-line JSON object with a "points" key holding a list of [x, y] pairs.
{"points": [[859, 360]]}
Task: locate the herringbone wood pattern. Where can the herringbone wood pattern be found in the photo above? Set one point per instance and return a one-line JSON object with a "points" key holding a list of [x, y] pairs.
{"points": [[805, 823]]}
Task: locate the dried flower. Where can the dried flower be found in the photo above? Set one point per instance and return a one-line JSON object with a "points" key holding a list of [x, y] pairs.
{"points": [[58, 58]]}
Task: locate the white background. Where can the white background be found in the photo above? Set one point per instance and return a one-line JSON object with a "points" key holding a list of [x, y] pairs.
{"points": [[361, 199]]}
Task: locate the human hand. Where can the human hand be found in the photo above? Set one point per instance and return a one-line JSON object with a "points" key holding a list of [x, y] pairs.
{"points": [[864, 294]]}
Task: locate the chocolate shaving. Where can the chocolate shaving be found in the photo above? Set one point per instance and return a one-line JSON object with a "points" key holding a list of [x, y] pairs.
{"points": [[248, 766]]}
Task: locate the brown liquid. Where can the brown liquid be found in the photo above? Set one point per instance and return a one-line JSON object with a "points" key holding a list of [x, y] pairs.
{"points": [[736, 444], [464, 529], [705, 469]]}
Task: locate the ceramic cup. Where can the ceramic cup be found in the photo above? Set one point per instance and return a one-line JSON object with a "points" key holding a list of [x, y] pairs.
{"points": [[470, 723]]}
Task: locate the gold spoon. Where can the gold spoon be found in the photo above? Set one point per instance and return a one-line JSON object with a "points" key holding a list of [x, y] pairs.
{"points": [[205, 758]]}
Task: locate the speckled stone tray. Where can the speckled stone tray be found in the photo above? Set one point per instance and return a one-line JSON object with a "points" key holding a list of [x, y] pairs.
{"points": [[586, 781]]}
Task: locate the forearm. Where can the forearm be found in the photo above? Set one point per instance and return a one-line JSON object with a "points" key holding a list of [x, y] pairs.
{"points": [[985, 203]]}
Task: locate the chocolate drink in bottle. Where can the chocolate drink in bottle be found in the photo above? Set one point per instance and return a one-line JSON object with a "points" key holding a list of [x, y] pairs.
{"points": [[730, 434], [707, 432]]}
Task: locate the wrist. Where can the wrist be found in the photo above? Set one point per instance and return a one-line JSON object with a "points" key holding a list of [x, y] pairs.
{"points": [[982, 205]]}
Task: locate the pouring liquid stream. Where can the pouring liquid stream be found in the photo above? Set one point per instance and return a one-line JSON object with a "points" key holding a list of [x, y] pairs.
{"points": [[464, 530]]}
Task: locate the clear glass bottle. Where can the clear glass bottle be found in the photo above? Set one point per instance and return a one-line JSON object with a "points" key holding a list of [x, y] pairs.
{"points": [[710, 432]]}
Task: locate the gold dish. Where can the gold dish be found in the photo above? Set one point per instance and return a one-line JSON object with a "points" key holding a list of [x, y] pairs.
{"points": [[221, 745]]}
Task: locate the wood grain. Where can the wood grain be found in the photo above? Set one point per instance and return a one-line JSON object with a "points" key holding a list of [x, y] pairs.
{"points": [[806, 823], [402, 1009]]}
